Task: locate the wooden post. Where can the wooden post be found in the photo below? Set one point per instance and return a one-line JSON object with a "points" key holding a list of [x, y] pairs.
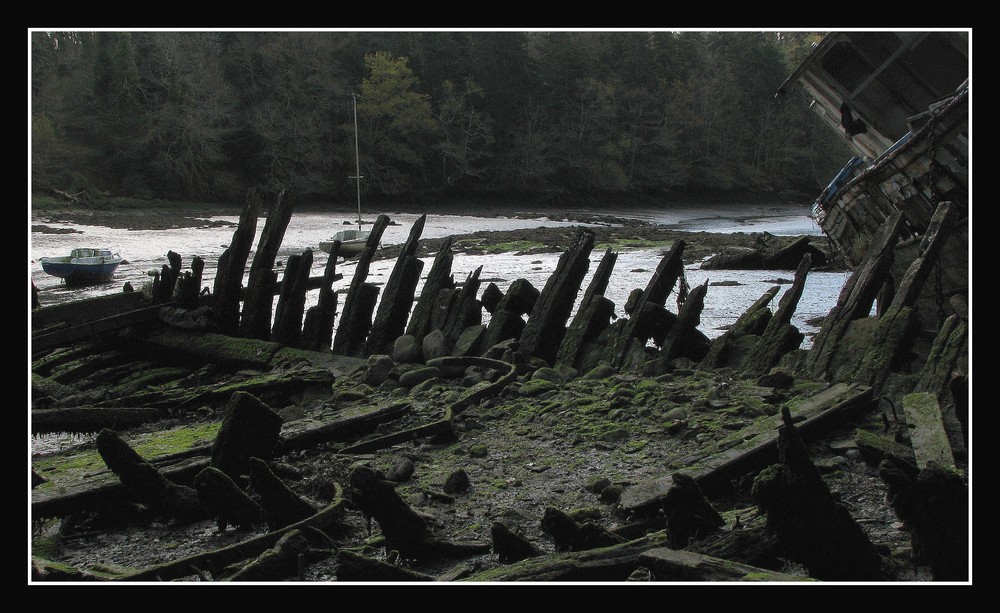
{"points": [[292, 300], [256, 320], [317, 331], [438, 278], [355, 321], [232, 263], [397, 298], [546, 325]]}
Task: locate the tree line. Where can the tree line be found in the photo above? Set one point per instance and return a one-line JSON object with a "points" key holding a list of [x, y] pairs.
{"points": [[204, 115]]}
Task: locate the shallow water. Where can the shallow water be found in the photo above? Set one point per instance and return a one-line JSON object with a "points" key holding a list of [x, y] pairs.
{"points": [[145, 251]]}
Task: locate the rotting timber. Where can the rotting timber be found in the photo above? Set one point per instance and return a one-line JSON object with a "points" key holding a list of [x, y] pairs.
{"points": [[605, 450]]}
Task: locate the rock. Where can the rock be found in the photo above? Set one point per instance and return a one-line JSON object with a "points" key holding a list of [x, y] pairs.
{"points": [[407, 349], [547, 374], [614, 436], [597, 484], [469, 341], [601, 371], [413, 378], [778, 379], [612, 493], [477, 451], [676, 414], [457, 482], [435, 345], [401, 471], [379, 367]]}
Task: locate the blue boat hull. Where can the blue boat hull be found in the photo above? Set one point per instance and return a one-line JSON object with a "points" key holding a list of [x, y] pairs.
{"points": [[77, 273]]}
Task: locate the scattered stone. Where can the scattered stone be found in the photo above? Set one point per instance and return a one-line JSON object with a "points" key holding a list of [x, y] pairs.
{"points": [[597, 484], [415, 377], [457, 482], [407, 349], [778, 379], [612, 493], [435, 345], [401, 471], [379, 367], [477, 451]]}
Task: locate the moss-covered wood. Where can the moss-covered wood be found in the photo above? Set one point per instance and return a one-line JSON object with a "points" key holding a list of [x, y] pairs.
{"points": [[228, 286], [546, 324], [255, 319], [397, 298], [217, 560], [813, 527], [356, 317], [751, 448]]}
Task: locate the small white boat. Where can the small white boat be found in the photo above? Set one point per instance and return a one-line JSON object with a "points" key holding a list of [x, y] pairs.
{"points": [[84, 265], [352, 242]]}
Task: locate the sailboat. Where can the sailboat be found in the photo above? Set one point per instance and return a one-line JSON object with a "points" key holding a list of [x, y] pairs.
{"points": [[352, 242]]}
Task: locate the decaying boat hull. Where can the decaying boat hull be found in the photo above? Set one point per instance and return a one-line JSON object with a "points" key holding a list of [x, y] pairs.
{"points": [[930, 167]]}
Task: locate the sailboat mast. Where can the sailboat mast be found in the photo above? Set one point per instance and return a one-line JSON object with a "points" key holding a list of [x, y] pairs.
{"points": [[357, 157]]}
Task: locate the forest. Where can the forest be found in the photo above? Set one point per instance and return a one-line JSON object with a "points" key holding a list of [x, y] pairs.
{"points": [[204, 115]]}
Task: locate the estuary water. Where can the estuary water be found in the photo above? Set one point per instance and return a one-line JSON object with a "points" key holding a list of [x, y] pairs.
{"points": [[730, 292]]}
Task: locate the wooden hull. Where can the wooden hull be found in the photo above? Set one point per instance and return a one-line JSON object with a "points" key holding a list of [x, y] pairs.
{"points": [[929, 167]]}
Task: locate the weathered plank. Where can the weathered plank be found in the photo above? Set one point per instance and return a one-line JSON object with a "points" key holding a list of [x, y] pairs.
{"points": [[91, 419], [753, 447], [88, 309], [926, 429], [669, 565], [64, 336]]}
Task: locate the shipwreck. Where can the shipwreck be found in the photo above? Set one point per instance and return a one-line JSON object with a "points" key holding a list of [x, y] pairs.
{"points": [[246, 380]]}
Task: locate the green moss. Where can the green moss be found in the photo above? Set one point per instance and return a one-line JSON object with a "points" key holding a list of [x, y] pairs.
{"points": [[148, 378], [649, 385], [176, 440], [535, 387], [60, 469], [634, 446]]}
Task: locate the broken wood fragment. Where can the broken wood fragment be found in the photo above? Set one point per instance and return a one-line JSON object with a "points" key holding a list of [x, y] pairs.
{"points": [[813, 527], [356, 318], [934, 504], [317, 329], [230, 505], [250, 429], [509, 546], [355, 567], [233, 261], [282, 507], [546, 324], [216, 560], [404, 530], [279, 562], [690, 517], [142, 480], [613, 563]]}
